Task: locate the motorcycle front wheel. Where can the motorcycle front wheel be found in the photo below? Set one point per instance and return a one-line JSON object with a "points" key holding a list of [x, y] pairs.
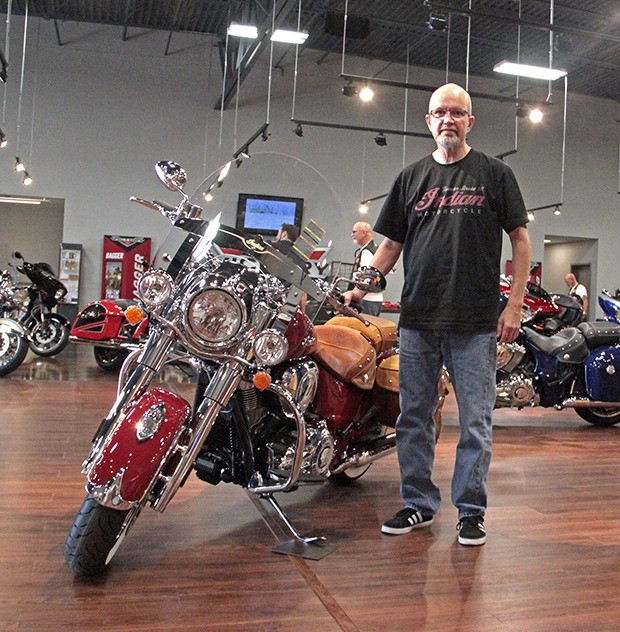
{"points": [[110, 359], [93, 535], [600, 416], [13, 350], [49, 337]]}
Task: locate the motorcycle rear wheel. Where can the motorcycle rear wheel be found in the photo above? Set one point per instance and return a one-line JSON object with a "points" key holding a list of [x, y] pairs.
{"points": [[110, 359], [49, 337], [13, 350], [600, 416], [93, 535]]}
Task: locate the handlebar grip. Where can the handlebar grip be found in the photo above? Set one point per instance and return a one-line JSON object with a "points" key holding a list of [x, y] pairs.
{"points": [[166, 207]]}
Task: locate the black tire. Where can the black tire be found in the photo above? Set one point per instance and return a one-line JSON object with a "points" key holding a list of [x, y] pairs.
{"points": [[92, 537], [110, 359], [13, 350], [49, 337], [351, 475], [600, 416]]}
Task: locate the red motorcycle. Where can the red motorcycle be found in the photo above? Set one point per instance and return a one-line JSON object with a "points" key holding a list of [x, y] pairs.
{"points": [[114, 327], [546, 313], [278, 401]]}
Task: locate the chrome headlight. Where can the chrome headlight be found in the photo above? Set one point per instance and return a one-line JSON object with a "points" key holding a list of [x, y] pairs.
{"points": [[154, 288], [215, 316], [270, 347]]}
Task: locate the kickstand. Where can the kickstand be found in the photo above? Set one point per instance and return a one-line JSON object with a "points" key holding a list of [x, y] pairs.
{"points": [[313, 548]]}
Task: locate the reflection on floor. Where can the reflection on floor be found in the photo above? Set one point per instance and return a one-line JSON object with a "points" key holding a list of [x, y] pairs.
{"points": [[551, 561]]}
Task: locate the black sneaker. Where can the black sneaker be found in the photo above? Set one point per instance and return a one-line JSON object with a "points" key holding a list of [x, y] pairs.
{"points": [[406, 520], [471, 531]]}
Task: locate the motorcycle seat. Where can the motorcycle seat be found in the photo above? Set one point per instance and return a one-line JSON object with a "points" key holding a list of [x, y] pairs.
{"points": [[569, 345], [381, 332], [600, 333], [346, 354]]}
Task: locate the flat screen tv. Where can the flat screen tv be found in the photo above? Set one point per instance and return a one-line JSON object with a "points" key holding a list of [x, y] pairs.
{"points": [[264, 214]]}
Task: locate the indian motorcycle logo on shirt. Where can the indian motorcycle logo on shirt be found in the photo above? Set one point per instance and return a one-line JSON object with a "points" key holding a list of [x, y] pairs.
{"points": [[451, 201]]}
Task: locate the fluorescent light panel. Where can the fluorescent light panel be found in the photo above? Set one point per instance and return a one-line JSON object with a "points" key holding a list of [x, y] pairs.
{"points": [[243, 30], [21, 200], [289, 37], [525, 70]]}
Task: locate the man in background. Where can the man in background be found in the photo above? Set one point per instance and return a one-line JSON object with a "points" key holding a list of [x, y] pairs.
{"points": [[362, 236], [577, 290], [286, 237]]}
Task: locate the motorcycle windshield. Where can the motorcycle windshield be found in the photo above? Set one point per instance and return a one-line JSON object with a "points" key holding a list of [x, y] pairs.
{"points": [[246, 203]]}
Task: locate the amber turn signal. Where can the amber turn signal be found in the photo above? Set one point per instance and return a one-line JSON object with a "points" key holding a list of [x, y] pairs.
{"points": [[133, 314], [262, 381]]}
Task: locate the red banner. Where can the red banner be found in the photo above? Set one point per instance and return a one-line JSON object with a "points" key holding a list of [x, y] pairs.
{"points": [[124, 261]]}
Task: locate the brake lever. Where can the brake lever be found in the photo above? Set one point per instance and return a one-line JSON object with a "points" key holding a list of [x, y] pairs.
{"points": [[347, 310]]}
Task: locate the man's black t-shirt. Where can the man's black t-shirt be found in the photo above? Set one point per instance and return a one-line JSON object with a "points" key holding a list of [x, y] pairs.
{"points": [[449, 219]]}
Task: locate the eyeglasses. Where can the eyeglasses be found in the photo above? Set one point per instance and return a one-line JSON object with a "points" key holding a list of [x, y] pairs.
{"points": [[456, 113]]}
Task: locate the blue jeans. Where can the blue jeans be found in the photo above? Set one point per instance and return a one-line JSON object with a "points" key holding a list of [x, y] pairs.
{"points": [[372, 308], [470, 359]]}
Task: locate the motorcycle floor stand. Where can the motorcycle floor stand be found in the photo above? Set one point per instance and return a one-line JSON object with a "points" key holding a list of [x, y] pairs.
{"points": [[310, 548]]}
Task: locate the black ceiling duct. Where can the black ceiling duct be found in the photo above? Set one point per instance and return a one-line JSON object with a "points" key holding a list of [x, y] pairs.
{"points": [[357, 27]]}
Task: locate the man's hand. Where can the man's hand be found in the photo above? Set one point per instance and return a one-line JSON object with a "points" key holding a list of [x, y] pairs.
{"points": [[353, 295], [509, 323]]}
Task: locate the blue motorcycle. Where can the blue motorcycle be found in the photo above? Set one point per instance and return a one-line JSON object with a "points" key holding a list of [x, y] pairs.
{"points": [[578, 368], [610, 306]]}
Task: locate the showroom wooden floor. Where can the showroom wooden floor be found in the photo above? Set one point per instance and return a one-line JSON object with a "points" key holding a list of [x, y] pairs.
{"points": [[551, 562]]}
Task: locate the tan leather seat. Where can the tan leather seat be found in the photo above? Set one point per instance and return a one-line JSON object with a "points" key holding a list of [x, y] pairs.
{"points": [[381, 333], [346, 354]]}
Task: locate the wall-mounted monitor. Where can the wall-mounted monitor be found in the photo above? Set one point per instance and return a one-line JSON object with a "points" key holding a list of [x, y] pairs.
{"points": [[264, 214]]}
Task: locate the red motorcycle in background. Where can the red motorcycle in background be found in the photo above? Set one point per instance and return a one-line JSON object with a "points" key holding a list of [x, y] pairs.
{"points": [[114, 327], [546, 313], [278, 401]]}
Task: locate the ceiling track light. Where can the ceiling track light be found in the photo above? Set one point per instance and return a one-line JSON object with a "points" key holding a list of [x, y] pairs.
{"points": [[366, 94], [27, 179], [349, 89], [3, 141], [380, 139], [3, 67], [19, 165], [534, 113], [437, 22]]}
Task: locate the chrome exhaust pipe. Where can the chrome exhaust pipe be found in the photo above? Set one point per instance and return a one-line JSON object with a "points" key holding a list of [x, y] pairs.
{"points": [[377, 449], [573, 402]]}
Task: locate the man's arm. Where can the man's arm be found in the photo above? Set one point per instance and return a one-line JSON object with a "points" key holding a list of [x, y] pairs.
{"points": [[384, 260], [510, 319], [584, 300]]}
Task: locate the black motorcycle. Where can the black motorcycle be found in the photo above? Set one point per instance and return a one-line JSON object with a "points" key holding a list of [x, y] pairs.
{"points": [[31, 305]]}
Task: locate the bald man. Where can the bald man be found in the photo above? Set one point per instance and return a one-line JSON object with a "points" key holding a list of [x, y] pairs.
{"points": [[446, 213], [362, 236]]}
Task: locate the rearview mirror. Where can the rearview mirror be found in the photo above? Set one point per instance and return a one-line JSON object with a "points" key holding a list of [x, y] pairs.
{"points": [[172, 175]]}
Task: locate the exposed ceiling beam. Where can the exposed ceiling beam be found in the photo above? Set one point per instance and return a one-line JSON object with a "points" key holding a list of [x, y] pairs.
{"points": [[449, 8], [235, 74]]}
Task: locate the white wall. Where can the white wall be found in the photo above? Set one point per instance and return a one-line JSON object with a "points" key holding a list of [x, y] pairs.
{"points": [[105, 110]]}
